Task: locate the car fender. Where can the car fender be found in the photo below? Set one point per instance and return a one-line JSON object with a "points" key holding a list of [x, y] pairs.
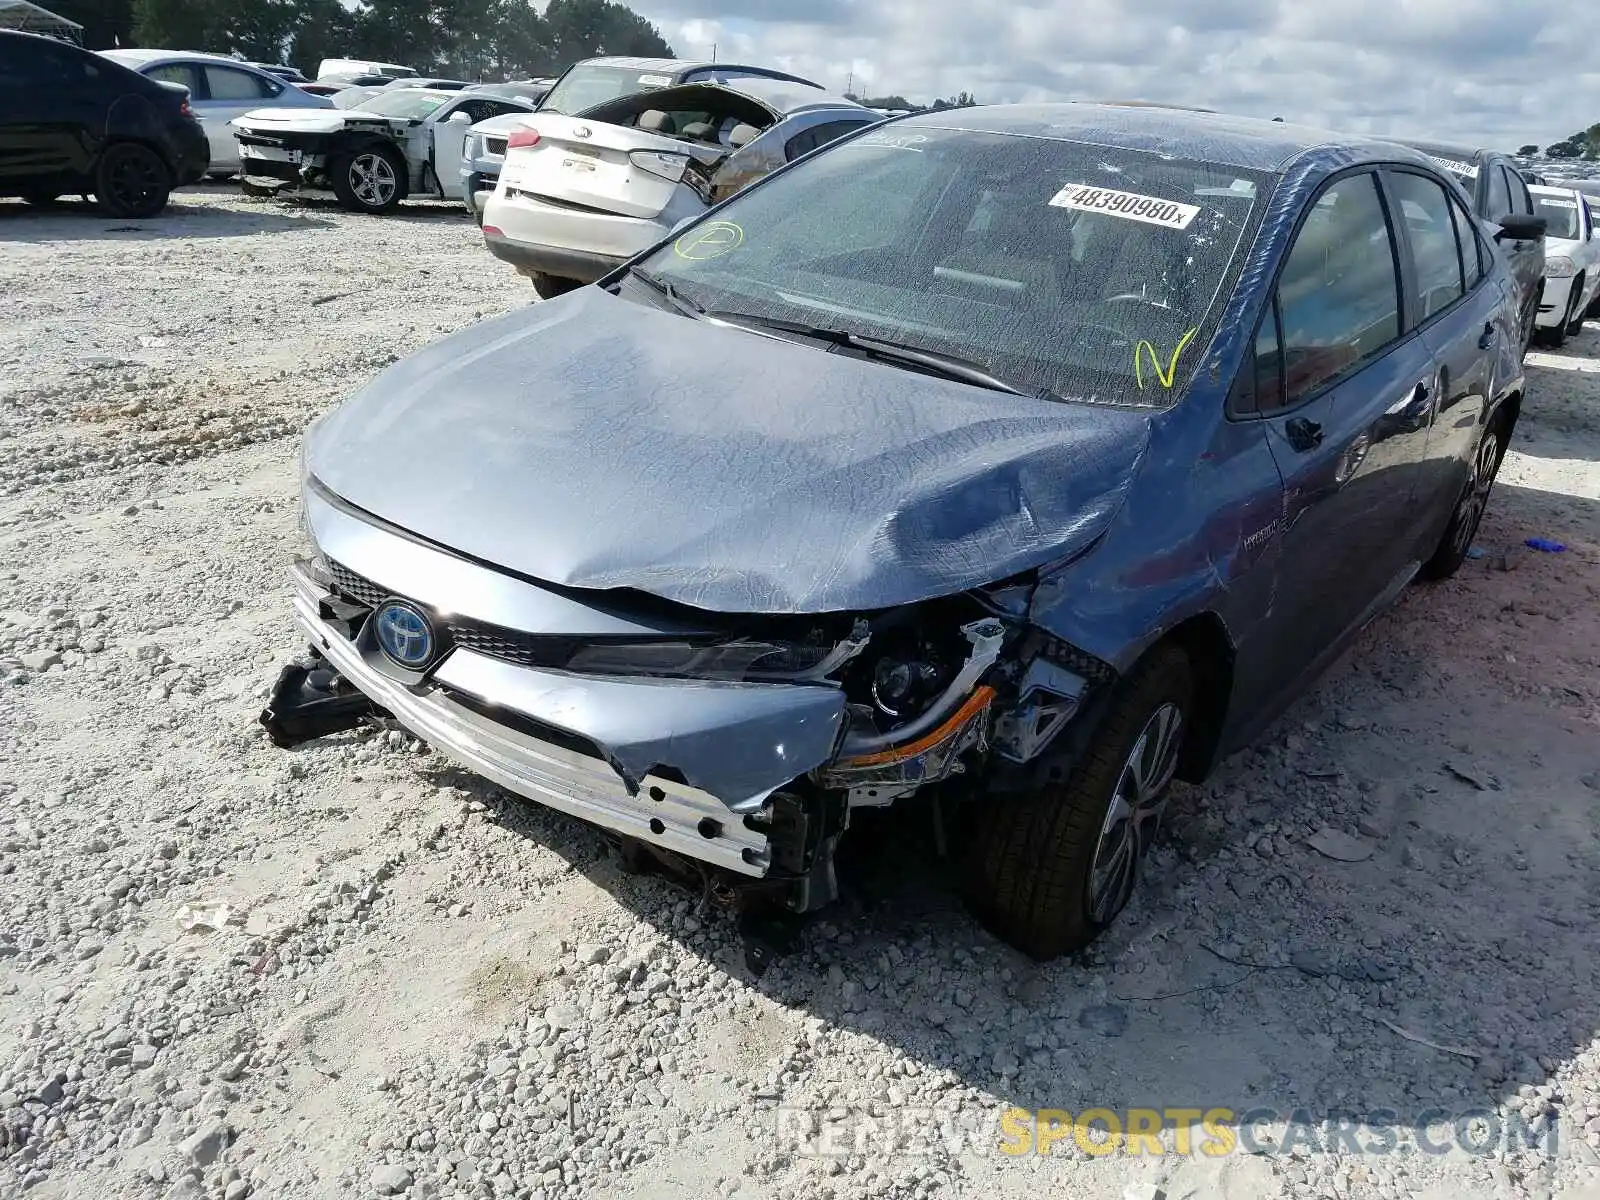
{"points": [[133, 116], [353, 141]]}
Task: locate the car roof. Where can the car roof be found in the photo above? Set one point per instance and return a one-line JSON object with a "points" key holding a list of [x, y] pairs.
{"points": [[1446, 149], [679, 66], [146, 57], [1251, 143]]}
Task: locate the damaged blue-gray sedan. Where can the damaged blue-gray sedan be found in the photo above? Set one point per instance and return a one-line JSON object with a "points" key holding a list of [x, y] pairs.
{"points": [[1025, 458]]}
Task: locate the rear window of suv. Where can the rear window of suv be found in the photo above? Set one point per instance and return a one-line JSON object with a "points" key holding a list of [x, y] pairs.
{"points": [[584, 87]]}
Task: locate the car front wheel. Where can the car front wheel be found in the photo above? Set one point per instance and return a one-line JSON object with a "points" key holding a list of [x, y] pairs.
{"points": [[372, 180], [130, 180], [1050, 868], [1468, 512]]}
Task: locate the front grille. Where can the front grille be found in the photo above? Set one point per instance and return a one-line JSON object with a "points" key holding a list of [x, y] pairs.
{"points": [[363, 591], [495, 641], [495, 146], [512, 645]]}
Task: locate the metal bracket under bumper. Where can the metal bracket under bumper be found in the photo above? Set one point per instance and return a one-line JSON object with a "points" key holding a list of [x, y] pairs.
{"points": [[664, 813]]}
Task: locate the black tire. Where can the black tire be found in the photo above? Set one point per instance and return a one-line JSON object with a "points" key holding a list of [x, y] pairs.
{"points": [[1575, 315], [1555, 336], [369, 180], [551, 286], [131, 180], [1468, 512], [1031, 872]]}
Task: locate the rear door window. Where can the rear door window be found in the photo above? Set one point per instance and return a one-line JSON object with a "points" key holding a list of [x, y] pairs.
{"points": [[1435, 253], [1521, 198], [1499, 201], [1474, 253], [185, 73], [227, 84], [1339, 293]]}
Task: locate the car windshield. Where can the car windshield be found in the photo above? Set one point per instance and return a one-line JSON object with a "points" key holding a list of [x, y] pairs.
{"points": [[585, 86], [1078, 271], [1561, 216], [407, 103]]}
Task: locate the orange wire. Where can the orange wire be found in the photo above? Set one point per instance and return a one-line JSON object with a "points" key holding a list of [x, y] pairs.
{"points": [[977, 701]]}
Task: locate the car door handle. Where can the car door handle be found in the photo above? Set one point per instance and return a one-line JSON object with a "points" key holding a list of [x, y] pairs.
{"points": [[1486, 339], [1303, 433]]}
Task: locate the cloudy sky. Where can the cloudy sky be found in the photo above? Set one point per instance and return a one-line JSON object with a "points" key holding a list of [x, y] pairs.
{"points": [[1495, 72]]}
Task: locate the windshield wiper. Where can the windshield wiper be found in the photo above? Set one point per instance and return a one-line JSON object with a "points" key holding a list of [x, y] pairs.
{"points": [[949, 365], [665, 288]]}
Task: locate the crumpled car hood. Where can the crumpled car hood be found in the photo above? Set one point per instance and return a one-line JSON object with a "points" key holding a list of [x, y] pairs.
{"points": [[597, 443], [305, 120]]}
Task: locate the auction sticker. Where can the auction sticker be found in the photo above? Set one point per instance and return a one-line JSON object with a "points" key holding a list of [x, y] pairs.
{"points": [[1152, 210]]}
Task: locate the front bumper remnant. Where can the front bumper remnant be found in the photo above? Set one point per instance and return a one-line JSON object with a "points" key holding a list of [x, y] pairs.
{"points": [[471, 711], [310, 700]]}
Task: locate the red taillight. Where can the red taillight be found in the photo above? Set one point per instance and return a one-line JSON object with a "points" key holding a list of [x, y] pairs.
{"points": [[522, 139], [183, 108], [494, 230]]}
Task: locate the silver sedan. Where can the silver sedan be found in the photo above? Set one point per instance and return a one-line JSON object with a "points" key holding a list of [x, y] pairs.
{"points": [[220, 89]]}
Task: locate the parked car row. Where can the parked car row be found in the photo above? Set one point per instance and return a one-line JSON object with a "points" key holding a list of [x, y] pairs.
{"points": [[1054, 450]]}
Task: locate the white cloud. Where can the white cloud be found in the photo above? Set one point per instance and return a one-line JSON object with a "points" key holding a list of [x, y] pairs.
{"points": [[1492, 72]]}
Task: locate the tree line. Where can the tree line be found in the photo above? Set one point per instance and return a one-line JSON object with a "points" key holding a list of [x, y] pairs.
{"points": [[460, 39], [959, 100], [1583, 144], [466, 39]]}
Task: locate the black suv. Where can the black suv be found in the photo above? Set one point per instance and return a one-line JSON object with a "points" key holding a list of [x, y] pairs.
{"points": [[1498, 190], [74, 122]]}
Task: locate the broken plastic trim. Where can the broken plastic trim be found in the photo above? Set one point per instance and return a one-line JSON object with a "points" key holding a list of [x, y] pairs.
{"points": [[307, 703]]}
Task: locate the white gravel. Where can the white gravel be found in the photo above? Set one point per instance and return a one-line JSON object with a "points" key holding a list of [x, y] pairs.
{"points": [[351, 970]]}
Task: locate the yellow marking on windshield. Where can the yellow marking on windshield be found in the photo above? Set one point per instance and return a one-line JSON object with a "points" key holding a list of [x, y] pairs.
{"points": [[1171, 373], [709, 241]]}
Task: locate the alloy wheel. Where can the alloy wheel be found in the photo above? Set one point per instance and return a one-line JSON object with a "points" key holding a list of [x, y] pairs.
{"points": [[133, 181], [1469, 510], [372, 179], [1134, 812]]}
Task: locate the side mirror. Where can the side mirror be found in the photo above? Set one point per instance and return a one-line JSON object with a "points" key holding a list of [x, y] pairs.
{"points": [[1520, 227], [461, 117]]}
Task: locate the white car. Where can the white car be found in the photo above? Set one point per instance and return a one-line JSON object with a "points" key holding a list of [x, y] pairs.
{"points": [[331, 67], [389, 146], [1571, 262], [220, 89], [579, 195]]}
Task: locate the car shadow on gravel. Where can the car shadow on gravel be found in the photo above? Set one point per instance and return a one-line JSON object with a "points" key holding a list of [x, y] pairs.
{"points": [[428, 211], [1451, 971], [77, 220]]}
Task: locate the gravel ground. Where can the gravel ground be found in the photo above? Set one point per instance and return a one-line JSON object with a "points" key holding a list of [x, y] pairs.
{"points": [[352, 970]]}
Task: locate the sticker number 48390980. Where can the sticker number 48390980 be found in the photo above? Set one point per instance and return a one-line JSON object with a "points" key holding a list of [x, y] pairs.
{"points": [[1152, 210]]}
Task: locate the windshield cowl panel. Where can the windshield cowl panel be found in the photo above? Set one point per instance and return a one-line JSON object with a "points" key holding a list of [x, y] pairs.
{"points": [[1062, 269]]}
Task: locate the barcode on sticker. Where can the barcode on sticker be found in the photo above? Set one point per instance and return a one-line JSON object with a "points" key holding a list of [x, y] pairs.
{"points": [[1153, 210]]}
